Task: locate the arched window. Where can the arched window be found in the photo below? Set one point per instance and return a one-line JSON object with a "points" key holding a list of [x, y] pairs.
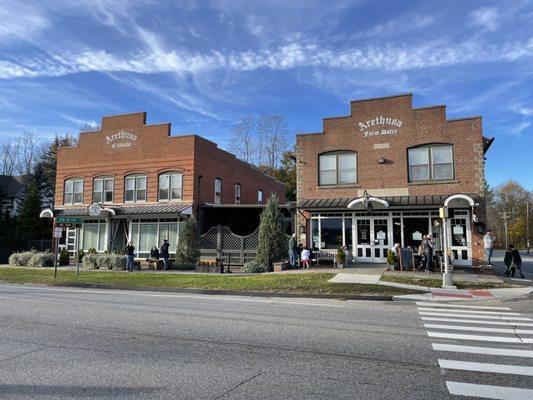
{"points": [[135, 188], [170, 186], [337, 168], [103, 189], [73, 191], [237, 193], [430, 162], [218, 190]]}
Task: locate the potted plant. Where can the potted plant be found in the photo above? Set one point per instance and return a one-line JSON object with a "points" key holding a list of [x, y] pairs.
{"points": [[340, 258]]}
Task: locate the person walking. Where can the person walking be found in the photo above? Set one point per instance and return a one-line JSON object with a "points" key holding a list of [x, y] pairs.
{"points": [[306, 254], [293, 250], [488, 245], [508, 260], [130, 251], [165, 254], [517, 262], [428, 245]]}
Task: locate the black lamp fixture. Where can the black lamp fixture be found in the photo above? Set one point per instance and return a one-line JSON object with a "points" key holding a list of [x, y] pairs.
{"points": [[381, 160]]}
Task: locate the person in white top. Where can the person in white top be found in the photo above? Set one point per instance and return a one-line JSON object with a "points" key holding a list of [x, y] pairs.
{"points": [[488, 245], [306, 253]]}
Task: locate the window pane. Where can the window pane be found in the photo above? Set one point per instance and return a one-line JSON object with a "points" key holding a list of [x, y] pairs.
{"points": [[443, 171], [328, 177], [90, 236], [78, 186], [97, 185], [176, 193], [78, 197], [101, 237], [68, 186], [109, 184], [418, 156], [331, 233], [97, 197], [441, 155], [68, 198], [141, 195], [419, 173], [108, 196], [347, 176], [130, 183], [128, 195], [347, 161], [148, 237], [141, 182], [175, 181], [163, 181], [328, 162]]}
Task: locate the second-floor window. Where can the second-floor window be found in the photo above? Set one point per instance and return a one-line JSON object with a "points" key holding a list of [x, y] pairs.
{"points": [[259, 196], [170, 186], [428, 163], [103, 190], [73, 193], [218, 190], [337, 168], [135, 188], [237, 193]]}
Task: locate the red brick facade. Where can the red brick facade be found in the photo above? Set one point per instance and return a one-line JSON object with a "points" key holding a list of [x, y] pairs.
{"points": [[150, 150], [381, 131]]}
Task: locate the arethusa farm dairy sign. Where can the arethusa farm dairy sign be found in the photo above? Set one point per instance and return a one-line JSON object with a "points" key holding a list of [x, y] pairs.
{"points": [[120, 140], [379, 126]]}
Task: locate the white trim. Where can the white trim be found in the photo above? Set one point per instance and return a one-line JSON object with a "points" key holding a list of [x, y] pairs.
{"points": [[482, 350], [109, 210], [488, 391], [469, 199], [383, 202], [46, 213]]}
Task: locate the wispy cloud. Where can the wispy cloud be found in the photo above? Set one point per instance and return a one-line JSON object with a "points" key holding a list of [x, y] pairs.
{"points": [[296, 55], [487, 18], [21, 21]]}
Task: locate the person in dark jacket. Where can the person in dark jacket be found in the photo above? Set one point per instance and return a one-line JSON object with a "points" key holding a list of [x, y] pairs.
{"points": [[508, 261], [130, 252], [517, 261], [428, 245], [293, 250], [164, 254]]}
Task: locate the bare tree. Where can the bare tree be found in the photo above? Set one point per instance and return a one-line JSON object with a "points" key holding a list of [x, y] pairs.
{"points": [[272, 131], [244, 140], [27, 152], [9, 157]]}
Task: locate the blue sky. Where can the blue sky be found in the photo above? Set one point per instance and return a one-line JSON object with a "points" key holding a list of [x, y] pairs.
{"points": [[204, 65]]}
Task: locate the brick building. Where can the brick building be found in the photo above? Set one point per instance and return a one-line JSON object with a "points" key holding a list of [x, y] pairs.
{"points": [[133, 181], [379, 175]]}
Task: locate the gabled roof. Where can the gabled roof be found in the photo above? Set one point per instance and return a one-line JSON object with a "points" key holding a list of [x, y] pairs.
{"points": [[12, 186]]}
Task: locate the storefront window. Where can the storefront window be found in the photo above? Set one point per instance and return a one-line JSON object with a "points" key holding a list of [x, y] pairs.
{"points": [[73, 192], [315, 234], [337, 168], [170, 185], [348, 232], [135, 188], [414, 229], [148, 233], [331, 233], [94, 235], [103, 190], [430, 163]]}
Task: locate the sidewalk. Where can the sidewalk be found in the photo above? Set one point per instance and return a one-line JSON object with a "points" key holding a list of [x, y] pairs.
{"points": [[372, 274]]}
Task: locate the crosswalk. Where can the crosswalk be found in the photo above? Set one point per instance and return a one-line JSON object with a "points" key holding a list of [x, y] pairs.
{"points": [[484, 351]]}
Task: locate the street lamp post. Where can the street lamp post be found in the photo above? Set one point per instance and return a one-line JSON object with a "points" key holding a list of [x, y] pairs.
{"points": [[447, 279]]}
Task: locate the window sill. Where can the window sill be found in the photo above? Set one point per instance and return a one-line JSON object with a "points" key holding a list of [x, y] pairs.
{"points": [[435, 182], [343, 186]]}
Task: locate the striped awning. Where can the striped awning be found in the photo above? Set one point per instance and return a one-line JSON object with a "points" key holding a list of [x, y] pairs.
{"points": [[137, 209]]}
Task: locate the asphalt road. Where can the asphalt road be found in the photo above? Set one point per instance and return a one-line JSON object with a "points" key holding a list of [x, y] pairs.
{"points": [[527, 264], [67, 343]]}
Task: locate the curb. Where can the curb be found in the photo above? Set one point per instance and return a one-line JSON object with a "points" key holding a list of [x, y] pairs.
{"points": [[225, 292]]}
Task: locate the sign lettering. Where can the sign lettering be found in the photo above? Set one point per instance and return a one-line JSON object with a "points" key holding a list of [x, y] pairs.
{"points": [[120, 140], [380, 126]]}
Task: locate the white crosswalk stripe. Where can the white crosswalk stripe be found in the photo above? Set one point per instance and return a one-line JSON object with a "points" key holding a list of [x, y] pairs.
{"points": [[480, 329], [450, 306], [473, 321], [497, 326]]}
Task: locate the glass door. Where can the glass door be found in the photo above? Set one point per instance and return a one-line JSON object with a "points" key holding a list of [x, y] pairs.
{"points": [[381, 239], [459, 230], [372, 239], [363, 239]]}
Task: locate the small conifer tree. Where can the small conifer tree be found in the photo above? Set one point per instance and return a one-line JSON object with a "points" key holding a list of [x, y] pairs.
{"points": [[273, 241], [187, 251]]}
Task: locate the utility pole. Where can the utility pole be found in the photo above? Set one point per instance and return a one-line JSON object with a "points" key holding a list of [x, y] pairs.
{"points": [[505, 216]]}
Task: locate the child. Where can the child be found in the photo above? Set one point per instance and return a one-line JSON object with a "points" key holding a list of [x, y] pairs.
{"points": [[306, 253]]}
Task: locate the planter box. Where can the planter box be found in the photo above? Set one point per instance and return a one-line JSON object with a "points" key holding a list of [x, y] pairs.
{"points": [[208, 269], [281, 266]]}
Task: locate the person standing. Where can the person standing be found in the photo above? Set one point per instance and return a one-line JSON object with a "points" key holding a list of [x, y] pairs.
{"points": [[165, 254], [517, 261], [488, 245], [508, 260], [428, 245], [293, 250], [306, 254], [130, 251]]}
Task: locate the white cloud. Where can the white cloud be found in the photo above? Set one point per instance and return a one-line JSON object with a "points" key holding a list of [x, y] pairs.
{"points": [[487, 18], [291, 56], [19, 20], [527, 111]]}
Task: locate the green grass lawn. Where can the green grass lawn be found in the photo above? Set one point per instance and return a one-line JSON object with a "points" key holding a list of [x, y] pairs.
{"points": [[310, 283], [437, 282]]}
